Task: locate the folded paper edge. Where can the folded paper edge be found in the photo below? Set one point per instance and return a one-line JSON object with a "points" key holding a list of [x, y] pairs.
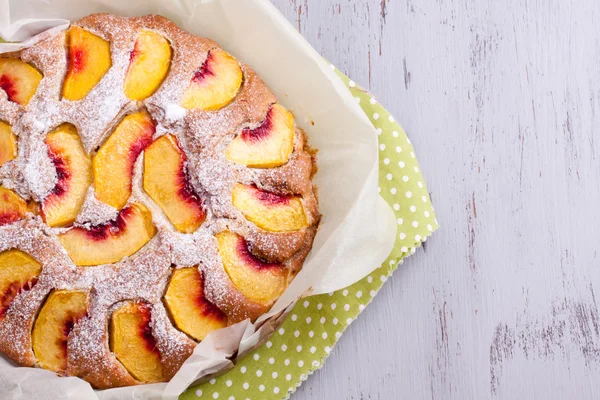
{"points": [[384, 208]]}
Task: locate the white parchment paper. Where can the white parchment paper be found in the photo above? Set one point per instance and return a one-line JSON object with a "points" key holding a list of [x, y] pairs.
{"points": [[357, 229]]}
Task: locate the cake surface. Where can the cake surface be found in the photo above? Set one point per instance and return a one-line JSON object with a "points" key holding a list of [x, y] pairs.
{"points": [[153, 191]]}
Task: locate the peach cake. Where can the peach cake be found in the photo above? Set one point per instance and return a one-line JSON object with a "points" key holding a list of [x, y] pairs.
{"points": [[153, 190]]}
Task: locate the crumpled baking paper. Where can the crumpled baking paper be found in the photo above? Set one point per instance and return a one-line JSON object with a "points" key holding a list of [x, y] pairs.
{"points": [[358, 227]]}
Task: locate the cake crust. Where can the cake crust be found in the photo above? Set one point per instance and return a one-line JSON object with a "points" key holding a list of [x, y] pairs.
{"points": [[204, 137]]}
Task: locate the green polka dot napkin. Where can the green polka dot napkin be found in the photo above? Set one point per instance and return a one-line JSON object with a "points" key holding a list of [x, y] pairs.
{"points": [[315, 324]]}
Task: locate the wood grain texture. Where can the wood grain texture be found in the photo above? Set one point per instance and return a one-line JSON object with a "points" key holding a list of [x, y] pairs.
{"points": [[501, 100]]}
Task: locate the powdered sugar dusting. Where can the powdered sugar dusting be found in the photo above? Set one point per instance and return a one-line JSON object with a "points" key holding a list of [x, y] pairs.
{"points": [[174, 346], [143, 276], [174, 112], [38, 170], [95, 212]]}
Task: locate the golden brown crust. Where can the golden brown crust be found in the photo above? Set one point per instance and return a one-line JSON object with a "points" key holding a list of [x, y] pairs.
{"points": [[91, 362], [173, 352], [203, 135]]}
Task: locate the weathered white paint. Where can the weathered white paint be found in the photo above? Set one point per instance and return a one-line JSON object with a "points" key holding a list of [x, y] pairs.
{"points": [[502, 102]]}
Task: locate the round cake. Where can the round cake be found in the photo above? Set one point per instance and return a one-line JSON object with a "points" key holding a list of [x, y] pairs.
{"points": [[153, 191]]}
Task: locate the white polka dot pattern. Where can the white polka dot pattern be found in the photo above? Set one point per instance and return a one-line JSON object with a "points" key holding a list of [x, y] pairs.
{"points": [[314, 325]]}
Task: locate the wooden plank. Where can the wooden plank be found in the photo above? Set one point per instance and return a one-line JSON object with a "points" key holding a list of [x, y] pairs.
{"points": [[501, 100]]}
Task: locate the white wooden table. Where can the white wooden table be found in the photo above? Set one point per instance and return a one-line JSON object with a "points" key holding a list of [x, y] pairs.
{"points": [[501, 100]]}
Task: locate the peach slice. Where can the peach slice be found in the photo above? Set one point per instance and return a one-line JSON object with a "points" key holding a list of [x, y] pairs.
{"points": [[132, 342], [269, 211], [190, 310], [110, 242], [74, 176], [89, 60], [19, 80], [12, 206], [215, 84], [166, 182], [8, 143], [33, 207], [113, 165], [267, 146], [258, 280], [54, 323], [18, 272], [149, 63]]}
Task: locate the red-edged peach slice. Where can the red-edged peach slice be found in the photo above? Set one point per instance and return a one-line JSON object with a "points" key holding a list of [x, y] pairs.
{"points": [[149, 63], [269, 211], [134, 345], [215, 84], [190, 310], [12, 206], [19, 80], [8, 143], [268, 145], [54, 323], [74, 176], [113, 165], [258, 280], [18, 272], [89, 60], [167, 183], [110, 242]]}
